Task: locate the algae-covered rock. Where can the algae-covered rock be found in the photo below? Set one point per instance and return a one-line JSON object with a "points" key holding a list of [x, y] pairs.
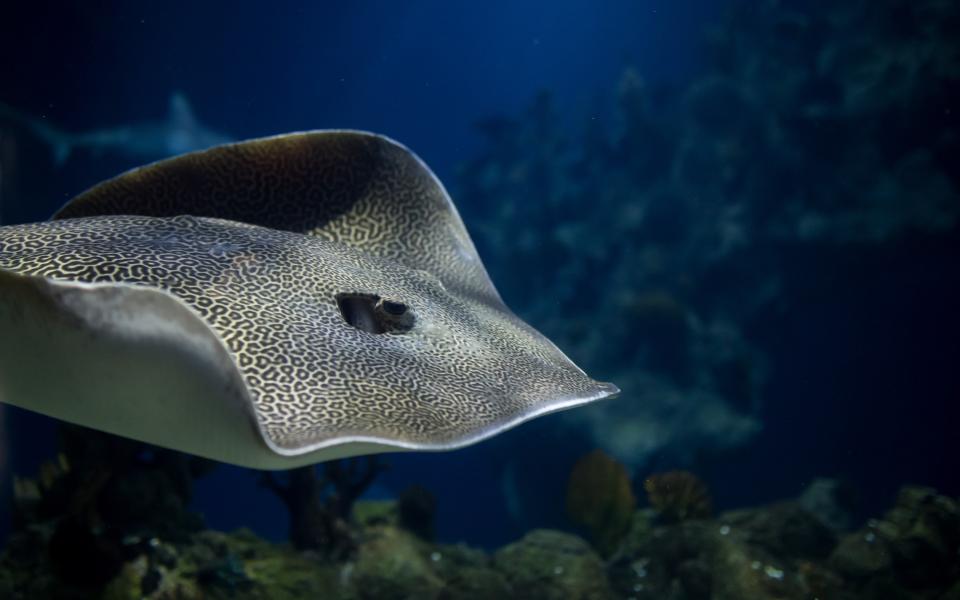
{"points": [[915, 545], [740, 570], [551, 565], [768, 553], [641, 526], [413, 511], [860, 555], [719, 560], [392, 564], [926, 546], [476, 583], [250, 567], [289, 575], [372, 513], [468, 573], [140, 579], [218, 565], [126, 585], [650, 562], [784, 529]]}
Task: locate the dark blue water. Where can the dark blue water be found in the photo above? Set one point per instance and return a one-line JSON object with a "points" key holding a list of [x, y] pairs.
{"points": [[422, 73]]}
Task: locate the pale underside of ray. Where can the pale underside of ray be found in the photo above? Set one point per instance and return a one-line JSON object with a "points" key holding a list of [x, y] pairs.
{"points": [[112, 322], [135, 362]]}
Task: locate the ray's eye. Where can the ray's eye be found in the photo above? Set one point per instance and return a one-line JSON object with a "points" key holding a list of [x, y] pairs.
{"points": [[395, 309], [373, 314]]}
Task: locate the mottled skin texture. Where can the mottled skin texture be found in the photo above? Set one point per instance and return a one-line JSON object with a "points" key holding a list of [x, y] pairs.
{"points": [[359, 189], [301, 219]]}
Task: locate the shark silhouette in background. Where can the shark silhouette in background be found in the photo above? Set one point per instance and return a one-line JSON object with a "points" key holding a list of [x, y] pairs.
{"points": [[180, 132]]}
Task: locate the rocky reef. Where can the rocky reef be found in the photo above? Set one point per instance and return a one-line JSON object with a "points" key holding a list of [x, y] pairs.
{"points": [[670, 549]]}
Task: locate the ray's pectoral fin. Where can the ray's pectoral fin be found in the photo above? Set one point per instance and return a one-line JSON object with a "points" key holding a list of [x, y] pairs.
{"points": [[352, 187], [272, 303], [68, 347]]}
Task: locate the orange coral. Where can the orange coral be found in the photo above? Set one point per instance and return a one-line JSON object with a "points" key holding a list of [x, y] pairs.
{"points": [[678, 495], [600, 499]]}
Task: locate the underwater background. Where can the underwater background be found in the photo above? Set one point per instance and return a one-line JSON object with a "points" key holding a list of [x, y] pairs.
{"points": [[745, 214]]}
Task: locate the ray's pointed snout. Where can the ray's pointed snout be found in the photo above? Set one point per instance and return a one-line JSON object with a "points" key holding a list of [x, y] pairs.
{"points": [[607, 389]]}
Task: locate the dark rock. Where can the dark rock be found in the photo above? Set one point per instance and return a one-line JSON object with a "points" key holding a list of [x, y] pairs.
{"points": [[926, 543], [150, 581], [730, 558], [914, 546], [551, 565], [391, 563], [417, 507], [861, 555], [79, 556], [784, 530], [475, 583], [225, 573], [467, 573], [165, 555], [830, 500]]}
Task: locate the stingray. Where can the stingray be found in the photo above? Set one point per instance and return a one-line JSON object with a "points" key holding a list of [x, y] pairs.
{"points": [[272, 303]]}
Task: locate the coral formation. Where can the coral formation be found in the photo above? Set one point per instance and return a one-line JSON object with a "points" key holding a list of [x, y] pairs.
{"points": [[319, 507], [678, 495], [913, 548], [552, 565], [600, 498], [781, 551], [99, 501]]}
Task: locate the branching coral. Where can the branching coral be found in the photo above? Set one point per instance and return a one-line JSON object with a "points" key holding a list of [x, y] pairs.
{"points": [[320, 507], [103, 496], [678, 496], [600, 499]]}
